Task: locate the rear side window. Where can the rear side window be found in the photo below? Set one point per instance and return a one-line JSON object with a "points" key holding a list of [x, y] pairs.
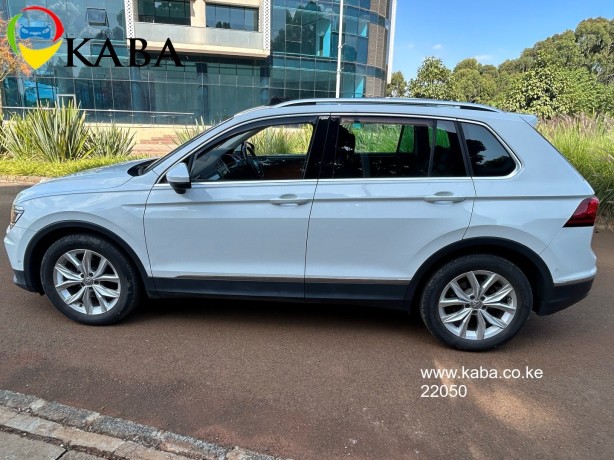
{"points": [[488, 157], [447, 156], [371, 148]]}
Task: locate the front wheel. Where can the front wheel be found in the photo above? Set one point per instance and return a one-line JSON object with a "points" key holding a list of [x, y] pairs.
{"points": [[89, 280], [476, 302]]}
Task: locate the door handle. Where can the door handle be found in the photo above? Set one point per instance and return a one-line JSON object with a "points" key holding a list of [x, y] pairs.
{"points": [[444, 197], [289, 200]]}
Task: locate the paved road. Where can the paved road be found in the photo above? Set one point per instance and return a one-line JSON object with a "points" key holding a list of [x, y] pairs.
{"points": [[322, 382]]}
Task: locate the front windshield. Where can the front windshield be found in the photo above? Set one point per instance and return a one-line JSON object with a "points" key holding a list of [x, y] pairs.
{"points": [[172, 152]]}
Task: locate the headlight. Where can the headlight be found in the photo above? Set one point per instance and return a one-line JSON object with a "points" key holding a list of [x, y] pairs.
{"points": [[16, 212]]}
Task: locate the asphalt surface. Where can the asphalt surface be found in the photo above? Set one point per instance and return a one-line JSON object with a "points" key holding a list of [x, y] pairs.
{"points": [[313, 382]]}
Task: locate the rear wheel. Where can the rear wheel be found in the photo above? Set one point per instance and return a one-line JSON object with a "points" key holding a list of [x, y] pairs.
{"points": [[476, 302], [89, 280]]}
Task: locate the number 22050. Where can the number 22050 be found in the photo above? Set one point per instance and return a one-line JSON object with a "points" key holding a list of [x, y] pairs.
{"points": [[443, 391]]}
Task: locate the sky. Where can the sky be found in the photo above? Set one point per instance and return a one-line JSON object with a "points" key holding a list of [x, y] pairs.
{"points": [[489, 30]]}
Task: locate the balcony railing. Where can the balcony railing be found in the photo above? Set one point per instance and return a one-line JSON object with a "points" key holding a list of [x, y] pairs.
{"points": [[199, 36]]}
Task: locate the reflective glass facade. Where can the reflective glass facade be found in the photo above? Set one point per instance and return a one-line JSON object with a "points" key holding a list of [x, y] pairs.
{"points": [[304, 46], [302, 61]]}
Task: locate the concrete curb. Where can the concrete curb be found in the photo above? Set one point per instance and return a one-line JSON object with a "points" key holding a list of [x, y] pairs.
{"points": [[107, 437], [20, 180]]}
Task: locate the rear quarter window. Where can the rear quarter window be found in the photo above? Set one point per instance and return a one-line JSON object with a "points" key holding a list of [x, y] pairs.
{"points": [[487, 156]]}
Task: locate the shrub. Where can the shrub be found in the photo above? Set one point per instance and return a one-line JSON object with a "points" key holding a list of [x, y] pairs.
{"points": [[53, 134], [186, 133], [112, 141], [60, 134], [2, 147], [588, 144], [16, 138]]}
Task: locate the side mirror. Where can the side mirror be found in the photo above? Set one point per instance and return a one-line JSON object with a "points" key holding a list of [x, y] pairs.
{"points": [[179, 178]]}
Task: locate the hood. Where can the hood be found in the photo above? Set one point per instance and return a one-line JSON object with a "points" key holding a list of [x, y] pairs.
{"points": [[91, 180]]}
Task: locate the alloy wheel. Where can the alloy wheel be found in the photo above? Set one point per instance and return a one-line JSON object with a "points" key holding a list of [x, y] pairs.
{"points": [[87, 281], [477, 305]]}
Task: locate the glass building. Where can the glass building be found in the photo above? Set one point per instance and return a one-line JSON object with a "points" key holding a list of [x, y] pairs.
{"points": [[236, 54]]}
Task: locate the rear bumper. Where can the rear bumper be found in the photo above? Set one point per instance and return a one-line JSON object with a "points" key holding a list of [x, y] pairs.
{"points": [[561, 296]]}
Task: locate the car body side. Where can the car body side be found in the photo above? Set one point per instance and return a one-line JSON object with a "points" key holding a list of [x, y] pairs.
{"points": [[521, 215]]}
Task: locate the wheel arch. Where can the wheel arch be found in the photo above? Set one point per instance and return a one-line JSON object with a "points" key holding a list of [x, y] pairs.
{"points": [[526, 259], [48, 235]]}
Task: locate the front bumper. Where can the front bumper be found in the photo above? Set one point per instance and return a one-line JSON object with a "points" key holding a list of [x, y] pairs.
{"points": [[561, 296], [15, 242], [19, 278]]}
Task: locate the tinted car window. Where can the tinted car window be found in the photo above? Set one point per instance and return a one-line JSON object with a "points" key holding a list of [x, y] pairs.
{"points": [[488, 157], [380, 149], [391, 149], [448, 156]]}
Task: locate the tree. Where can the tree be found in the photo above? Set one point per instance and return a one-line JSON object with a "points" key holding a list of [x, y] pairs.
{"points": [[471, 86], [539, 91], [474, 82], [595, 39], [10, 63], [434, 81], [567, 73], [397, 86], [467, 64], [559, 50]]}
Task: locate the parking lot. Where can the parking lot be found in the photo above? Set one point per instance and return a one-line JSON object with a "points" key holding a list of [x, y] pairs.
{"points": [[323, 381]]}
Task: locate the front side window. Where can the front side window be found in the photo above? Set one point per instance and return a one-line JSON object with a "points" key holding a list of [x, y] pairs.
{"points": [[372, 148], [276, 152], [232, 17], [488, 157]]}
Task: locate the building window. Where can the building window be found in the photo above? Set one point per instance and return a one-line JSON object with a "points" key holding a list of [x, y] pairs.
{"points": [[232, 17], [165, 12], [96, 17]]}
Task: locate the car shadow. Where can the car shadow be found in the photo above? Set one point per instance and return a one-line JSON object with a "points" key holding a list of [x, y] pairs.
{"points": [[280, 313]]}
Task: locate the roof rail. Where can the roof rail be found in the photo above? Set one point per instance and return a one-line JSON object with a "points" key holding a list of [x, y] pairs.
{"points": [[392, 101]]}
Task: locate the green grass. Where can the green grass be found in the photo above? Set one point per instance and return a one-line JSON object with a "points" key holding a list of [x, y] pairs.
{"points": [[588, 144], [28, 167], [283, 140]]}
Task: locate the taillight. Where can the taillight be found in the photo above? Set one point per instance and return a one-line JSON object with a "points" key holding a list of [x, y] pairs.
{"points": [[585, 214]]}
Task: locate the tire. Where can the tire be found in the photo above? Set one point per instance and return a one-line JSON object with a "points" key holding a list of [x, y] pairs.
{"points": [[104, 294], [487, 320]]}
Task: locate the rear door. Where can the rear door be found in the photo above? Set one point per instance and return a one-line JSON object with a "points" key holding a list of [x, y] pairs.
{"points": [[393, 191]]}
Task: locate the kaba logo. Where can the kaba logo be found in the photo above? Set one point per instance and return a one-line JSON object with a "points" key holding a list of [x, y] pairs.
{"points": [[34, 57], [19, 28], [108, 51]]}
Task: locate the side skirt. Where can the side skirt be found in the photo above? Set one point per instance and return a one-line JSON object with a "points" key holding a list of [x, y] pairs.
{"points": [[382, 294]]}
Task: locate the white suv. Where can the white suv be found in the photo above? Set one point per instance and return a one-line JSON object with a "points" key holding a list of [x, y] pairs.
{"points": [[459, 210]]}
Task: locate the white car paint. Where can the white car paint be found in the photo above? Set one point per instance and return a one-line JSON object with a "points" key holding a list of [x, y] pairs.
{"points": [[350, 229]]}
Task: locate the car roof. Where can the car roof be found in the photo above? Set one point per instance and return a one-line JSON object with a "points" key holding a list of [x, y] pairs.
{"points": [[387, 106]]}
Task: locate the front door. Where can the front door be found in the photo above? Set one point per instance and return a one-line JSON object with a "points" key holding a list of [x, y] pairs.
{"points": [[241, 229]]}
